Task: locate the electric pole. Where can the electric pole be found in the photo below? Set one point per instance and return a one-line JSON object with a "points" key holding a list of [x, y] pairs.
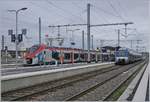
{"points": [[88, 31], [118, 37], [131, 44], [83, 39], [101, 43], [58, 35], [101, 46], [3, 42], [137, 47], [39, 31], [126, 29], [92, 41]]}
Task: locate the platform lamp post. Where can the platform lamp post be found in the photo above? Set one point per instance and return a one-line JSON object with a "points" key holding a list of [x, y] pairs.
{"points": [[16, 35]]}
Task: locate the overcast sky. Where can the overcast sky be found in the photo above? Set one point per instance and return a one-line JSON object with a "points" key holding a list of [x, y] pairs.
{"points": [[54, 12]]}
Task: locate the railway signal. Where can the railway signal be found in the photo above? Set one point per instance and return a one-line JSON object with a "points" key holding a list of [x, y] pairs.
{"points": [[13, 38], [19, 37]]}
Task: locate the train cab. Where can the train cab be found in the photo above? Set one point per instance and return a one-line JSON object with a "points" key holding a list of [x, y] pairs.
{"points": [[33, 54], [126, 56], [121, 57]]}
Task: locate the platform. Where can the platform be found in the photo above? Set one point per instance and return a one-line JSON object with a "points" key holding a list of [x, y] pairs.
{"points": [[21, 80]]}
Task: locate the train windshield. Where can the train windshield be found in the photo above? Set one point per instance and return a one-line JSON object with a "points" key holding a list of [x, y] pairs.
{"points": [[33, 48], [121, 53]]}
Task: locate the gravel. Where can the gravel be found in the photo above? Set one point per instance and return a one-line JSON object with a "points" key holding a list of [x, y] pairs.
{"points": [[68, 91]]}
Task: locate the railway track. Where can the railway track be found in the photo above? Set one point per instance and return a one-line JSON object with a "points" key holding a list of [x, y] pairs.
{"points": [[23, 93], [109, 96], [94, 87], [31, 93]]}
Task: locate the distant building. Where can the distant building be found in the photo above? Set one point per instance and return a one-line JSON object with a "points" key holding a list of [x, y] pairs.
{"points": [[108, 53], [12, 53]]}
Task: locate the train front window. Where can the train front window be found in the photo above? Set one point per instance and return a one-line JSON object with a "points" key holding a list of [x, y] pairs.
{"points": [[121, 53], [33, 48]]}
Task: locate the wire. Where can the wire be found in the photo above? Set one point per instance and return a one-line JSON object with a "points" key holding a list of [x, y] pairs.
{"points": [[76, 5], [83, 10], [45, 9], [97, 13], [106, 12], [115, 10], [64, 10], [121, 7]]}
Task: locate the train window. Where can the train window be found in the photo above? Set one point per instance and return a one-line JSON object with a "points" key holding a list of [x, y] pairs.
{"points": [[76, 56], [44, 52], [121, 53], [117, 53], [66, 55], [55, 55], [93, 56], [33, 48], [82, 56], [86, 55]]}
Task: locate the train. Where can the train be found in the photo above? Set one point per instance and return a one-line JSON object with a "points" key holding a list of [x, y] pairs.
{"points": [[43, 54], [127, 56]]}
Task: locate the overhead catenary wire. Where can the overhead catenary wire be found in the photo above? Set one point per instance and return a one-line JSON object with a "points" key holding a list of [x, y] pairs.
{"points": [[114, 9], [100, 16], [97, 31], [84, 10], [121, 7], [64, 10], [27, 22], [72, 15], [105, 11], [56, 13]]}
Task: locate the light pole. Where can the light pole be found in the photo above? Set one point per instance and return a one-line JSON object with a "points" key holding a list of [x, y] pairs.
{"points": [[16, 35]]}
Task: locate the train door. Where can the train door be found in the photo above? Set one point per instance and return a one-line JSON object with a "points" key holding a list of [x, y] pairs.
{"points": [[76, 56], [96, 56], [72, 57], [47, 56], [67, 57], [55, 55], [61, 56], [82, 56], [86, 57]]}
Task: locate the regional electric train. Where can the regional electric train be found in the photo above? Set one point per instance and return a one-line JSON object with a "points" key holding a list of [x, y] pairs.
{"points": [[41, 54], [126, 56]]}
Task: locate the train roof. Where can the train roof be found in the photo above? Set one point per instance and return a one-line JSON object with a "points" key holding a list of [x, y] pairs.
{"points": [[123, 48], [68, 48], [130, 51], [63, 48]]}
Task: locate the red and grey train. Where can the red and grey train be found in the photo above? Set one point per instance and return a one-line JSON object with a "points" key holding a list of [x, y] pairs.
{"points": [[43, 54]]}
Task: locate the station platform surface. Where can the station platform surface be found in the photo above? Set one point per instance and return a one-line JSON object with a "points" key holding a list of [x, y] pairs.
{"points": [[142, 92], [10, 71], [25, 79]]}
